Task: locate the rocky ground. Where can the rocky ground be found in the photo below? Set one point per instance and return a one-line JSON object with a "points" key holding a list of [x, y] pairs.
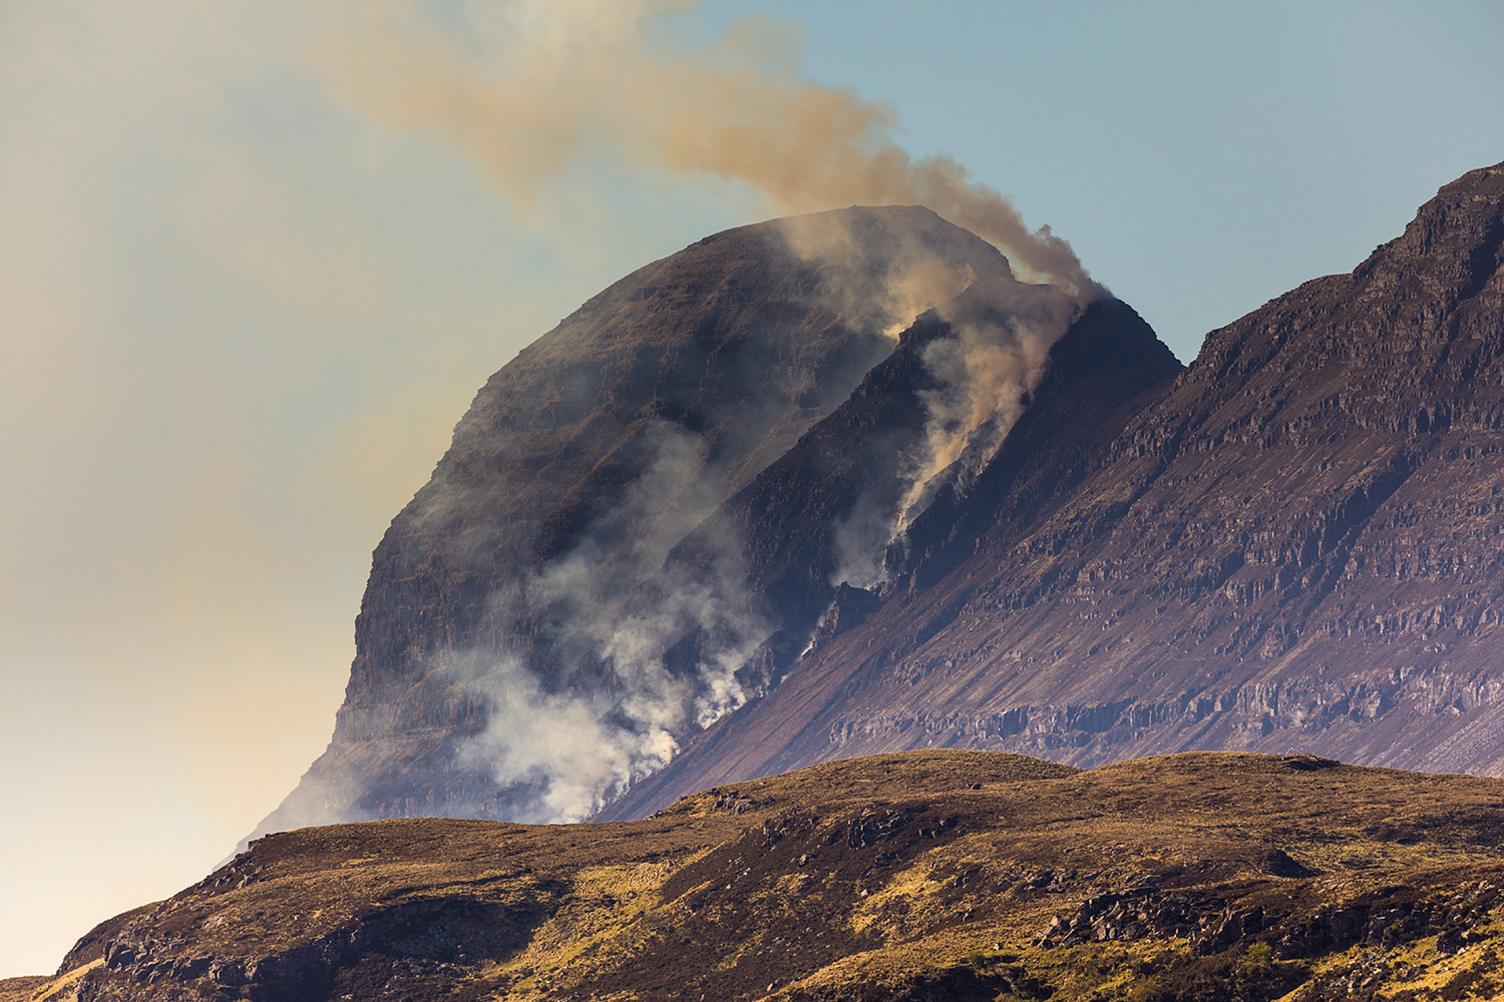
{"points": [[952, 875]]}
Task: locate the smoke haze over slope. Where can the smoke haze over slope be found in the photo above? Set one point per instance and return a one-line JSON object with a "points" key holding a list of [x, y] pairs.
{"points": [[529, 91], [242, 318], [526, 593]]}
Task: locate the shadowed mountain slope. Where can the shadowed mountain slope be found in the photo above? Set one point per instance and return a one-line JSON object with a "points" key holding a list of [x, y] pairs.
{"points": [[955, 875]]}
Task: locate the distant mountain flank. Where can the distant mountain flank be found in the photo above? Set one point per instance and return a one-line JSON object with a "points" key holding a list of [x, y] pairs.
{"points": [[844, 484], [1296, 546], [962, 876]]}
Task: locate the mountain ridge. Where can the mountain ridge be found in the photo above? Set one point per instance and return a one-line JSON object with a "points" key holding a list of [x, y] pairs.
{"points": [[601, 444], [1287, 552]]}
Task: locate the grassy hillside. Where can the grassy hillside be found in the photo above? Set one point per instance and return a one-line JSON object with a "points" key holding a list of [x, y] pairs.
{"points": [[930, 875]]}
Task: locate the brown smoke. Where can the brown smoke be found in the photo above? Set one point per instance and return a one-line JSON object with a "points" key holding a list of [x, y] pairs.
{"points": [[534, 90]]}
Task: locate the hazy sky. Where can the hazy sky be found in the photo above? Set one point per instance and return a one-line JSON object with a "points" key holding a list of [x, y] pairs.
{"points": [[239, 314]]}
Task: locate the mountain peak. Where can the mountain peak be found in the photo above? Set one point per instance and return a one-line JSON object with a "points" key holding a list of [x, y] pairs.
{"points": [[1016, 525], [1452, 246]]}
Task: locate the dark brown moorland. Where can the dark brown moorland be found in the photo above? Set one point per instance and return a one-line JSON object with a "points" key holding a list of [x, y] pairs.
{"points": [[955, 875]]}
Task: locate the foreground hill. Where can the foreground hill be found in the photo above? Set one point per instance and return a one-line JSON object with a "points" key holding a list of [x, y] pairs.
{"points": [[955, 875]]}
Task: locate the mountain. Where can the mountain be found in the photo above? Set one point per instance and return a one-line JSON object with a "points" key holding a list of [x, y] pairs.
{"points": [[844, 484], [826, 493], [797, 515], [954, 875], [1293, 546], [578, 465]]}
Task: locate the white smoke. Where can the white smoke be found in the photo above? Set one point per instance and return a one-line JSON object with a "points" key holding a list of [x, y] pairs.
{"points": [[561, 747], [981, 373], [621, 608]]}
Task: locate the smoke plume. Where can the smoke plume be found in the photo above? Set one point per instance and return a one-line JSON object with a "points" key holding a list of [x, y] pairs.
{"points": [[529, 91], [1000, 332], [1001, 337]]}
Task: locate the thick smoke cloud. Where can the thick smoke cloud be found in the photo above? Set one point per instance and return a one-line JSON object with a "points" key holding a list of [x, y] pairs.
{"points": [[612, 610], [530, 92]]}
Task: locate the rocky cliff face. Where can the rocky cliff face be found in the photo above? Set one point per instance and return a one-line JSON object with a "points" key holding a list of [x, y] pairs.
{"points": [[721, 524], [1296, 547], [804, 517], [498, 592]]}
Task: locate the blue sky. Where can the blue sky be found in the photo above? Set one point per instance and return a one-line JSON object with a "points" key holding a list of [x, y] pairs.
{"points": [[1201, 157], [244, 312]]}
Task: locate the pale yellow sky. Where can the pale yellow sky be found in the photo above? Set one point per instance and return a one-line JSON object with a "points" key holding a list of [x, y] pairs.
{"points": [[239, 323]]}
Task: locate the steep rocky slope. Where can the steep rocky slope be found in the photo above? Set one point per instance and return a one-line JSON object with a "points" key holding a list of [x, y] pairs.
{"points": [[578, 465], [700, 495], [955, 875], [799, 516], [1297, 547]]}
